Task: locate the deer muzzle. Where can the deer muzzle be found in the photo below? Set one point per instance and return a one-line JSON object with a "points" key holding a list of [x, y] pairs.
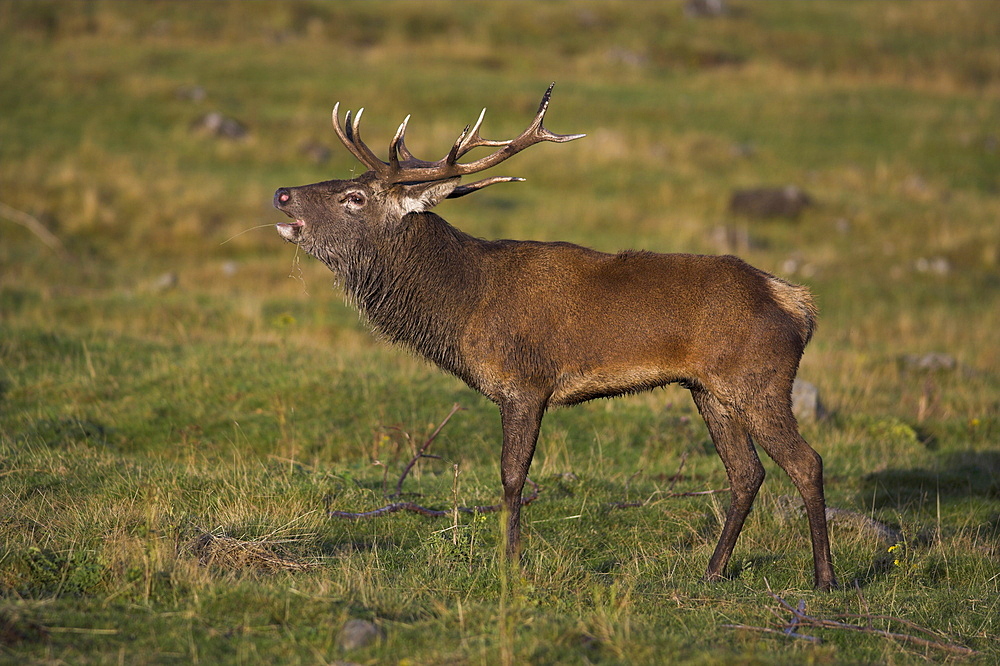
{"points": [[283, 202]]}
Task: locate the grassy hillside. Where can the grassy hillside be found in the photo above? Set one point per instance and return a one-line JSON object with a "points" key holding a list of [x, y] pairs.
{"points": [[183, 396]]}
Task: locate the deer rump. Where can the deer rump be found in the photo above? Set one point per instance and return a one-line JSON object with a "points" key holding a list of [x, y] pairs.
{"points": [[533, 325]]}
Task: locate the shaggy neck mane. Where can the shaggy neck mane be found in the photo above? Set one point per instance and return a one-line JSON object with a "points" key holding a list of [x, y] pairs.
{"points": [[417, 288]]}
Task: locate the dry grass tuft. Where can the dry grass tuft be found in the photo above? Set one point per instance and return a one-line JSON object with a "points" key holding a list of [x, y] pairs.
{"points": [[225, 552]]}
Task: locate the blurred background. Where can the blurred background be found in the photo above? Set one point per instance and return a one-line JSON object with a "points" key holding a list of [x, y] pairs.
{"points": [[166, 360]]}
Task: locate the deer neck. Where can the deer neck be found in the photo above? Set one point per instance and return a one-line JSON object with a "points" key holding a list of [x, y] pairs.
{"points": [[419, 287]]}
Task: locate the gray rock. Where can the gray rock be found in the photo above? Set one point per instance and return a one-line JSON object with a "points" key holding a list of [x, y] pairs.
{"points": [[165, 282], [790, 507], [806, 404], [218, 125], [933, 265], [356, 634], [929, 362], [192, 93], [705, 8], [770, 202]]}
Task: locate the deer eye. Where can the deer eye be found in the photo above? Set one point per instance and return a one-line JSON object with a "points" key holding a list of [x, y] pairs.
{"points": [[354, 199]]}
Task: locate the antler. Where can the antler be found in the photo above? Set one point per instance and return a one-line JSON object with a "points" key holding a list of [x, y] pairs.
{"points": [[403, 167]]}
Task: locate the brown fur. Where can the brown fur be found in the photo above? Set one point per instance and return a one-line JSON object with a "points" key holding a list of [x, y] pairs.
{"points": [[535, 325]]}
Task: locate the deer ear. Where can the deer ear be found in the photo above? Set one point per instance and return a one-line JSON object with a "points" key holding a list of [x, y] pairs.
{"points": [[420, 197]]}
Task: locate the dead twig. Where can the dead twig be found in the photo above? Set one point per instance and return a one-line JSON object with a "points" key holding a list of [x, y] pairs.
{"points": [[680, 468], [692, 493], [769, 630], [421, 452], [422, 510], [670, 488], [434, 513], [890, 618], [32, 224], [802, 619]]}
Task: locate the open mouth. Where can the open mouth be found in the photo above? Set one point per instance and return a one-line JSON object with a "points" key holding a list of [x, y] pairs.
{"points": [[290, 230]]}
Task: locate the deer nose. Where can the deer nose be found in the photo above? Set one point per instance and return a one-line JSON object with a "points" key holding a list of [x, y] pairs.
{"points": [[281, 197]]}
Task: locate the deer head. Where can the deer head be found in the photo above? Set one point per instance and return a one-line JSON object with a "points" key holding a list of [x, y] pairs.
{"points": [[335, 216]]}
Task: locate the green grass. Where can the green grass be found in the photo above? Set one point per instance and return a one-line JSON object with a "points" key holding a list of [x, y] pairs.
{"points": [[247, 399]]}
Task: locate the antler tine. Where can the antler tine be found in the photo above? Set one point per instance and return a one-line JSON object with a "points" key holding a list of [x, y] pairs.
{"points": [[543, 106], [396, 146], [456, 150], [404, 152], [340, 130], [462, 190], [400, 147], [470, 138], [372, 160], [351, 138], [356, 125], [536, 125]]}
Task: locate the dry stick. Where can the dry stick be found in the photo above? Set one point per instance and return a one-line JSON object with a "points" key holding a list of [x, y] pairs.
{"points": [[769, 630], [35, 227], [420, 452], [669, 493], [680, 468], [434, 513], [422, 510], [794, 624], [801, 618], [890, 618]]}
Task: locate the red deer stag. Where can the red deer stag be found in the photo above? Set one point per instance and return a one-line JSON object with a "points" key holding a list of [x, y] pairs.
{"points": [[535, 325]]}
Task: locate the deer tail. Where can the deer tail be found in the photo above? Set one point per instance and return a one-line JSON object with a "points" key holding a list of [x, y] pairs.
{"points": [[798, 302]]}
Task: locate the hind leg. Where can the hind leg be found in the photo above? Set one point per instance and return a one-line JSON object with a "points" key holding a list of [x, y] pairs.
{"points": [[743, 468], [774, 429]]}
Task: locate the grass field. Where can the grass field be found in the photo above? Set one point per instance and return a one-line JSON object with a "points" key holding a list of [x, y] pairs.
{"points": [[183, 396]]}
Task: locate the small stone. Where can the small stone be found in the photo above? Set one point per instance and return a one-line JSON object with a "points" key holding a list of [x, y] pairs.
{"points": [[770, 202], [705, 8], [356, 634], [742, 150], [224, 127], [929, 362], [165, 282], [192, 93], [806, 404], [935, 265]]}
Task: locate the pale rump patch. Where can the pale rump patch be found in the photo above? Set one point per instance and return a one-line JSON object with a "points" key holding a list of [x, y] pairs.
{"points": [[797, 301]]}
